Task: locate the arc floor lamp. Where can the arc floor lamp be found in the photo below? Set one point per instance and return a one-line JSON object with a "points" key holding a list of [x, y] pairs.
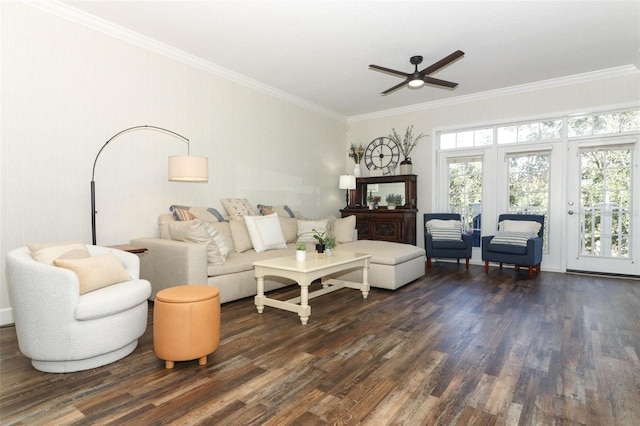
{"points": [[181, 168]]}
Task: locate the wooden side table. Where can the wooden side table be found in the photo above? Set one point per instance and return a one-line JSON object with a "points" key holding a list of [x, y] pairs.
{"points": [[129, 248]]}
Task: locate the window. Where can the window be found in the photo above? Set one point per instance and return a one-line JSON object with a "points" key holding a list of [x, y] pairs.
{"points": [[465, 193]]}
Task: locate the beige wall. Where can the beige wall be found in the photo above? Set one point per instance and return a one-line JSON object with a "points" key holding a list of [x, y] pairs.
{"points": [[66, 89]]}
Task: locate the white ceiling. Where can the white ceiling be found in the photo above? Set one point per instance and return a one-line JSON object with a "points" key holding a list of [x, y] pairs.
{"points": [[319, 51]]}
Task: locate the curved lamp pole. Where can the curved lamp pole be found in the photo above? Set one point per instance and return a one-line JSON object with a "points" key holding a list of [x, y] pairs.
{"points": [[181, 168]]}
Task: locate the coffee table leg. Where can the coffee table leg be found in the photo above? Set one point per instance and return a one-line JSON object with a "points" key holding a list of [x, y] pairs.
{"points": [[365, 280], [259, 299], [304, 311]]}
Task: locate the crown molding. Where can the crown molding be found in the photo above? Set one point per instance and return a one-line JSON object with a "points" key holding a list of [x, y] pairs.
{"points": [[92, 22], [506, 91]]}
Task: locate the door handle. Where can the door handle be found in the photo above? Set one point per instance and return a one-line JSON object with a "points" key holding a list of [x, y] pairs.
{"points": [[570, 212]]}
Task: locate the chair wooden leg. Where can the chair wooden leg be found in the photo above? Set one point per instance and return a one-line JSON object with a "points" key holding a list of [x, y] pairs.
{"points": [[538, 268], [486, 266], [428, 262], [530, 272], [501, 266], [467, 263], [517, 267], [458, 261]]}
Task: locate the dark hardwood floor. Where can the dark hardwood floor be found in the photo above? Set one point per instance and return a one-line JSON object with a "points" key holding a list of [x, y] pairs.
{"points": [[453, 348]]}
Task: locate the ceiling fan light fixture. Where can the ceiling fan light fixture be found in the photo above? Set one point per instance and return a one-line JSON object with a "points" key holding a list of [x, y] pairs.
{"points": [[418, 82]]}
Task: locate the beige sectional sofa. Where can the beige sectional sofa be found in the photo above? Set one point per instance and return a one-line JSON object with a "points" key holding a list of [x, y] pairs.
{"points": [[169, 262]]}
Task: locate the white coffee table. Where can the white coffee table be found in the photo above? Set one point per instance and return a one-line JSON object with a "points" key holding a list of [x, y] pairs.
{"points": [[304, 273]]}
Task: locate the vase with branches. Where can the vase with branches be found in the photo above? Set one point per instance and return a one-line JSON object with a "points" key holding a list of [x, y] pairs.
{"points": [[406, 145], [356, 152]]}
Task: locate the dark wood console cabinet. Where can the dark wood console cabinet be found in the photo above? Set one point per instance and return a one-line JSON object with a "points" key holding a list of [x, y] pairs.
{"points": [[398, 225]]}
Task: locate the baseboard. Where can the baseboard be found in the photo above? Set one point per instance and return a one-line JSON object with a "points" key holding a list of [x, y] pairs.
{"points": [[6, 316]]}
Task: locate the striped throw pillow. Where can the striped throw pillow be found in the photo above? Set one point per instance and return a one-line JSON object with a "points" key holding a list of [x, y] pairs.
{"points": [[446, 234], [513, 238]]}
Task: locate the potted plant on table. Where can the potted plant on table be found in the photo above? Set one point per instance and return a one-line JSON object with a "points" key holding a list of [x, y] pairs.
{"points": [[394, 200], [329, 245], [320, 237], [373, 201], [406, 145], [301, 251]]}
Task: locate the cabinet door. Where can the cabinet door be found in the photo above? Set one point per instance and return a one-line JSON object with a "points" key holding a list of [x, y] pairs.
{"points": [[387, 230]]}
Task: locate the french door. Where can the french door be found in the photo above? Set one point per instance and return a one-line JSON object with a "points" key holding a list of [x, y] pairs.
{"points": [[603, 197]]}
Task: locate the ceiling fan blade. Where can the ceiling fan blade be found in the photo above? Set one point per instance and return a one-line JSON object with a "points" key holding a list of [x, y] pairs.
{"points": [[397, 86], [442, 62], [436, 81], [389, 70]]}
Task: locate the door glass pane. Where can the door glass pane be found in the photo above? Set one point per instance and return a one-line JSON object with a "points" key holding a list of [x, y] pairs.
{"points": [[605, 198], [529, 185], [465, 193]]}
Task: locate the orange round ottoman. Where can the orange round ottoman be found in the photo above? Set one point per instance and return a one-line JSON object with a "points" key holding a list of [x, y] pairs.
{"points": [[186, 323]]}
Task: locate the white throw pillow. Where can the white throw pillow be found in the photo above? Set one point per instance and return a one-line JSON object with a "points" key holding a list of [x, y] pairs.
{"points": [[265, 232], [440, 223], [519, 226], [306, 227]]}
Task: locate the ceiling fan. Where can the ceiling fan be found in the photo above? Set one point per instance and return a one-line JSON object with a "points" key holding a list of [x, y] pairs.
{"points": [[418, 78]]}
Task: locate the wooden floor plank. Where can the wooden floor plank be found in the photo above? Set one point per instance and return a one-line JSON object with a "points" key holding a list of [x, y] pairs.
{"points": [[456, 347]]}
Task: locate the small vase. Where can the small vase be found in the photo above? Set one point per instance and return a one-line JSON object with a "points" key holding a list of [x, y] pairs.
{"points": [[357, 171], [391, 206], [301, 255], [329, 252], [320, 248], [406, 166]]}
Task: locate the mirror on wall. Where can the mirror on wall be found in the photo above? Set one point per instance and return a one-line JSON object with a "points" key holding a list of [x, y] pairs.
{"points": [[384, 189]]}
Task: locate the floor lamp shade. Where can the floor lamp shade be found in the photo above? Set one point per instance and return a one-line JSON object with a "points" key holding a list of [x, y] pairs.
{"points": [[187, 168]]}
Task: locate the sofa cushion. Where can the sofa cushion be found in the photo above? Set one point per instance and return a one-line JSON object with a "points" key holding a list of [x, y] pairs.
{"points": [[449, 244], [205, 214], [240, 235], [306, 229], [195, 231], [48, 252], [225, 242], [95, 272], [265, 232], [506, 248], [289, 227], [237, 208], [111, 300], [442, 223], [282, 211], [384, 252], [241, 262], [343, 229]]}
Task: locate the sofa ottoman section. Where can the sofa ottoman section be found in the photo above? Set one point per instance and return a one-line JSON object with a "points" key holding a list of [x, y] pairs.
{"points": [[392, 264]]}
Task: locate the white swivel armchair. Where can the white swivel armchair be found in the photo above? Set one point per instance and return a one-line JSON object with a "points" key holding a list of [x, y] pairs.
{"points": [[61, 330]]}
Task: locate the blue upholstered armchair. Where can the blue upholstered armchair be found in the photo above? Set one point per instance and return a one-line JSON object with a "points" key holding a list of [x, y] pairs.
{"points": [[446, 242], [518, 242]]}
